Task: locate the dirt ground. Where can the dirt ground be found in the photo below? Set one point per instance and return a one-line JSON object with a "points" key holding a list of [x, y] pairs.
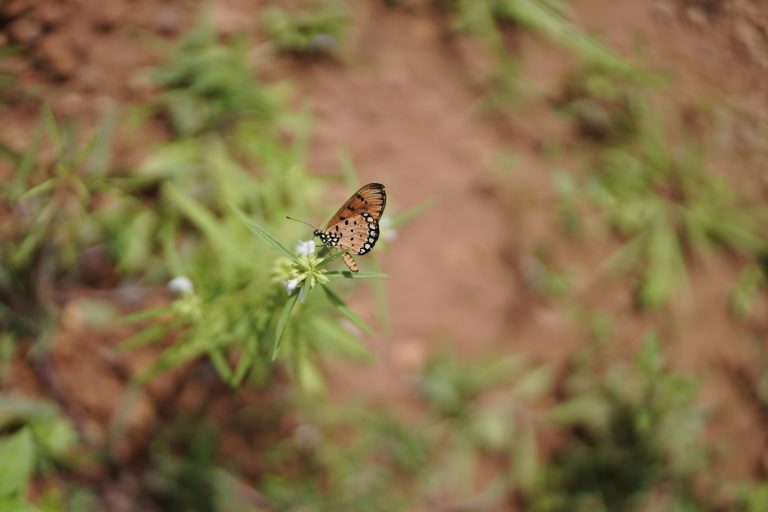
{"points": [[409, 115]]}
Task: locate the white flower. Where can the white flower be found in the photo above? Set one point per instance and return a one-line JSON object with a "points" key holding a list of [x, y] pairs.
{"points": [[387, 232], [181, 285], [290, 285], [307, 247]]}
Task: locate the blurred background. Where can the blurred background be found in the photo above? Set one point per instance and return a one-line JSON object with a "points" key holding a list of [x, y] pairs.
{"points": [[566, 311]]}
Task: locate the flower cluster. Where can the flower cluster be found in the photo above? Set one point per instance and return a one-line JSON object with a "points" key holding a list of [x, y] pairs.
{"points": [[301, 273], [187, 303]]}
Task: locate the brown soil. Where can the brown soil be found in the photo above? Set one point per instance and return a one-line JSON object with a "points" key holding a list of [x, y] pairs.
{"points": [[409, 115]]}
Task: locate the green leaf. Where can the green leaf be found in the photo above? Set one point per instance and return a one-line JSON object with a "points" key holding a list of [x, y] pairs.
{"points": [[39, 189], [144, 337], [137, 236], [748, 285], [334, 337], [650, 359], [169, 160], [204, 220], [524, 466], [246, 360], [308, 376], [56, 437], [330, 258], [17, 460], [97, 313], [346, 274], [534, 384], [145, 314], [344, 309], [16, 505], [543, 18], [219, 361], [588, 408], [99, 158], [16, 409], [283, 321], [666, 267], [261, 232]]}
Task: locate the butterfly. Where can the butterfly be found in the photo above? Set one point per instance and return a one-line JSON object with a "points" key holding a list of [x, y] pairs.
{"points": [[355, 227]]}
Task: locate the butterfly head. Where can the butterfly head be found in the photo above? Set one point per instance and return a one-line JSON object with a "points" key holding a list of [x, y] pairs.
{"points": [[328, 239]]}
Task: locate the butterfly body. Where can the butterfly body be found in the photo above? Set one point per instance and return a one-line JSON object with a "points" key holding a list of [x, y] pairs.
{"points": [[355, 227]]}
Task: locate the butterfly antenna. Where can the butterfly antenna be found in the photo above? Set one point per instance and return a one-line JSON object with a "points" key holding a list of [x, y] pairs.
{"points": [[297, 220]]}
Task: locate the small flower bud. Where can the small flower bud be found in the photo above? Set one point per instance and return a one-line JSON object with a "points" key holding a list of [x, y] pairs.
{"points": [[307, 247], [181, 285]]}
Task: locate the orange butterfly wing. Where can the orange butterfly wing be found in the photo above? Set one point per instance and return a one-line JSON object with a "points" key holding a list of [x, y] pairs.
{"points": [[355, 226], [357, 233], [371, 198]]}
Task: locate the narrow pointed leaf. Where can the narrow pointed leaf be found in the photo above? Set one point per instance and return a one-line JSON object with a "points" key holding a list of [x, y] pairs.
{"points": [[144, 337], [330, 258], [283, 322], [246, 360], [145, 314], [261, 232], [219, 361], [17, 460], [346, 274], [344, 309]]}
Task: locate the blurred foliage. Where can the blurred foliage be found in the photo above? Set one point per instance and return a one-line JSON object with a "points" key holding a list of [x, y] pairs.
{"points": [[660, 195], [346, 458], [7, 79], [635, 435], [38, 440], [209, 87], [656, 190], [184, 473], [315, 29], [607, 104], [750, 283], [48, 221], [491, 21], [485, 418]]}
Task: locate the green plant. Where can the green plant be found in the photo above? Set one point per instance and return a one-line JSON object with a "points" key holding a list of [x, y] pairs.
{"points": [[47, 221], [341, 457], [634, 432], [666, 205], [490, 20], [317, 29], [545, 17], [751, 282], [608, 104], [184, 473], [38, 441], [484, 416], [752, 497], [7, 79], [208, 86]]}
